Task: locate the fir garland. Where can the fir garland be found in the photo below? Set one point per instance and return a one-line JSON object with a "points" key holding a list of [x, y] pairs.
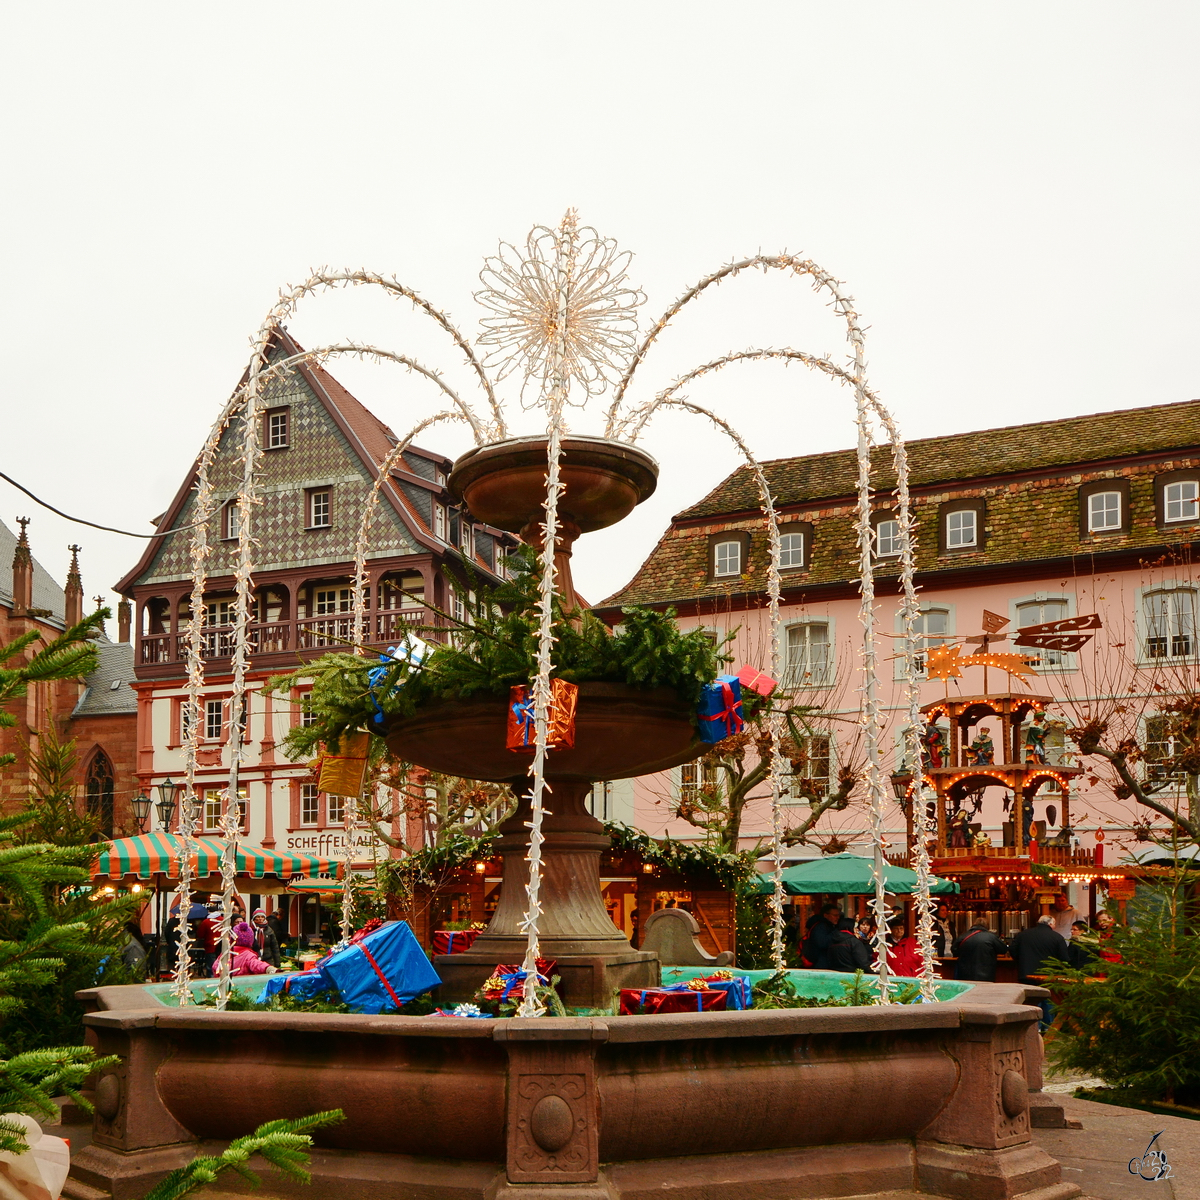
{"points": [[430, 866], [493, 651], [733, 871]]}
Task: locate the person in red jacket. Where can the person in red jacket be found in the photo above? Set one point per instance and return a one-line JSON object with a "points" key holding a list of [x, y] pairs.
{"points": [[904, 955]]}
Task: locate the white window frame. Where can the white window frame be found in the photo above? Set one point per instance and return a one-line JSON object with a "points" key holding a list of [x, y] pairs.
{"points": [[312, 498], [1176, 782], [1113, 527], [343, 601], [1193, 500], [927, 607], [787, 796], [335, 811], [214, 715], [797, 678], [309, 795], [211, 808], [230, 521], [439, 521], [694, 776], [1049, 664], [718, 573], [272, 441], [951, 544], [1146, 630], [787, 561], [893, 540]]}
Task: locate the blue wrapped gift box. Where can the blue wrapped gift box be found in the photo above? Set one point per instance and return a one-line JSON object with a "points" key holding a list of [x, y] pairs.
{"points": [[720, 709], [385, 969]]}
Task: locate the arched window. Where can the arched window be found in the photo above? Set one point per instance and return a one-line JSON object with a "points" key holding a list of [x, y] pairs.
{"points": [[98, 789]]}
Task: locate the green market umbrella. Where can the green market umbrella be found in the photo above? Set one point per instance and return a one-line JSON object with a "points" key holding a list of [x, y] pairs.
{"points": [[844, 874]]}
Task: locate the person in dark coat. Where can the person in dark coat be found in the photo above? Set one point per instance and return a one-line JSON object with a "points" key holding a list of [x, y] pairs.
{"points": [[820, 937], [1080, 954], [266, 944], [1036, 949], [848, 952], [976, 952]]}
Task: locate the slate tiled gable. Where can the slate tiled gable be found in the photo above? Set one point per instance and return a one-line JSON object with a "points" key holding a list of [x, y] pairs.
{"points": [[318, 454], [1028, 476]]}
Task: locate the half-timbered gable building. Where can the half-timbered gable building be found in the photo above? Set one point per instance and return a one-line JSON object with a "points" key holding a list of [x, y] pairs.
{"points": [[322, 452]]}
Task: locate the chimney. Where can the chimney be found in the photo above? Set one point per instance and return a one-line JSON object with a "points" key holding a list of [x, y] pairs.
{"points": [[22, 573], [74, 589], [124, 620]]}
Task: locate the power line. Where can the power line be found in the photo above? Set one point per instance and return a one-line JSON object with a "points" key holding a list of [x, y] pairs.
{"points": [[92, 524]]}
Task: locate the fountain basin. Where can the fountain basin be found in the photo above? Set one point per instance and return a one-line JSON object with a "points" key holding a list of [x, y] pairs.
{"points": [[620, 732], [814, 1102], [504, 483]]}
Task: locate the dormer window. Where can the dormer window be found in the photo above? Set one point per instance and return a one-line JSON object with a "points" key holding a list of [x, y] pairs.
{"points": [[961, 526], [1104, 507], [961, 529], [795, 546], [887, 538], [277, 429], [728, 555], [1181, 501], [439, 521], [1104, 512], [727, 559]]}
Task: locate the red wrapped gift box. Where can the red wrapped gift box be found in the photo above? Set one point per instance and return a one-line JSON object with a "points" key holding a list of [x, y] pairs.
{"points": [[564, 697], [453, 941], [671, 1000], [511, 986], [756, 681]]}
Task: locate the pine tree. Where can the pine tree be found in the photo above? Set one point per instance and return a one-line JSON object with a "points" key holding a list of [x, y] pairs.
{"points": [[37, 935]]}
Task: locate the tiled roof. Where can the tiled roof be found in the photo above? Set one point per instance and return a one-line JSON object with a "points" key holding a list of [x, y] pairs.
{"points": [[1028, 477], [107, 691], [961, 456], [46, 592]]}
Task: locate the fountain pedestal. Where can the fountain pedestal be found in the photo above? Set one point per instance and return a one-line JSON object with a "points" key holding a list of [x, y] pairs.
{"points": [[594, 959]]}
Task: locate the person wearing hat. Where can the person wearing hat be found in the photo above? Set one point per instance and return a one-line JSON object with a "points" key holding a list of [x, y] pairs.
{"points": [[245, 961], [266, 944]]}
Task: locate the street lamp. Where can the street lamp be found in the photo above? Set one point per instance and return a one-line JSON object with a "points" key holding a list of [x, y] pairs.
{"points": [[141, 810], [900, 785], [168, 790]]}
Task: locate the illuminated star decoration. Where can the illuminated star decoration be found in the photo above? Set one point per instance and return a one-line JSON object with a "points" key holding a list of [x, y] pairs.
{"points": [[587, 331]]}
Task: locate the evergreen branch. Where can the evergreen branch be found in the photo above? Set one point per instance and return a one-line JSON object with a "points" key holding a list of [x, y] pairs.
{"points": [[282, 1143]]}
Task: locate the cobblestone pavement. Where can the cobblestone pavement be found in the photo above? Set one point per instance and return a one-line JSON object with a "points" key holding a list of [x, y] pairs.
{"points": [[1097, 1156]]}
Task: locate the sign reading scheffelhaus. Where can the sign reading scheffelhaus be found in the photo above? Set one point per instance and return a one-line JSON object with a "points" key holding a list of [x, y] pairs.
{"points": [[330, 843]]}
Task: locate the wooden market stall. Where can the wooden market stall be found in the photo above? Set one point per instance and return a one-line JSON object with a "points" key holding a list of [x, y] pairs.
{"points": [[638, 876]]}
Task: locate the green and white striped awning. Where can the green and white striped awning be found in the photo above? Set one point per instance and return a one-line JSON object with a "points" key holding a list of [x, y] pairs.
{"points": [[151, 854]]}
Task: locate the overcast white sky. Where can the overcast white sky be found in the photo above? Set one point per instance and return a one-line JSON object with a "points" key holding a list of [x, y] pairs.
{"points": [[1009, 190]]}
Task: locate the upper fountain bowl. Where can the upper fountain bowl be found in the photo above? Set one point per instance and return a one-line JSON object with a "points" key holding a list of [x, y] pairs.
{"points": [[504, 484]]}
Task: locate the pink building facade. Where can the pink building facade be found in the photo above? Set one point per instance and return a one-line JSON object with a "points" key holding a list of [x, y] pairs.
{"points": [[1031, 523]]}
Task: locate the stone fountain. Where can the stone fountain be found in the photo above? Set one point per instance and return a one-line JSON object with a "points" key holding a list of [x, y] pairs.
{"points": [[756, 1105], [620, 732]]}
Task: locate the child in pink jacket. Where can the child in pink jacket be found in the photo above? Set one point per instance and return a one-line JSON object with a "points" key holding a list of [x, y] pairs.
{"points": [[245, 961]]}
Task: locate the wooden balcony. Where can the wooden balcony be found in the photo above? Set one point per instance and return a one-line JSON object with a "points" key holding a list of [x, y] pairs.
{"points": [[307, 636]]}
